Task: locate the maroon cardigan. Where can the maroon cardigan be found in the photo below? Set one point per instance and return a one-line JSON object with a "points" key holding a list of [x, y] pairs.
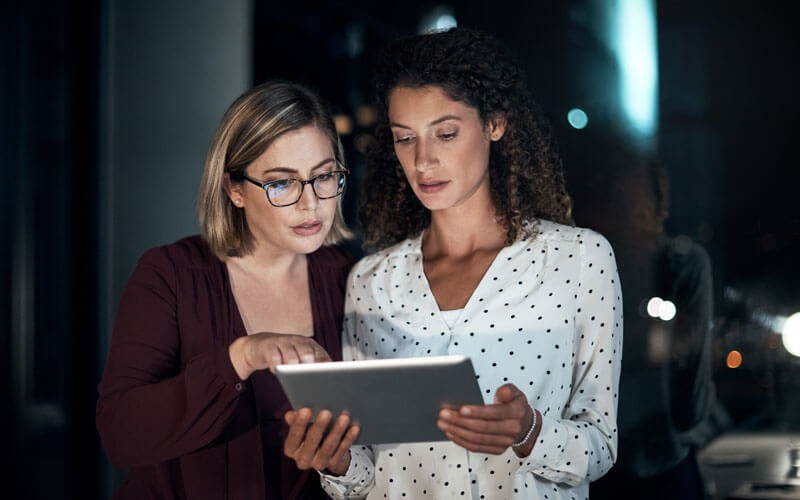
{"points": [[171, 407]]}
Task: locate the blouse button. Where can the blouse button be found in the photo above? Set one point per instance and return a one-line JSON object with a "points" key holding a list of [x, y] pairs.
{"points": [[238, 386]]}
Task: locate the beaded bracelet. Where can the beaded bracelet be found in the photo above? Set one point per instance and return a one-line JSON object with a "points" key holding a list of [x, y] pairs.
{"points": [[528, 434]]}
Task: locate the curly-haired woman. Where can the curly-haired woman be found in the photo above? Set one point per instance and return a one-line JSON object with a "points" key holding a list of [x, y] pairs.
{"points": [[477, 256]]}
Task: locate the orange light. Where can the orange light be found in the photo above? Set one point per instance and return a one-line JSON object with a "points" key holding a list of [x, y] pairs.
{"points": [[344, 124], [734, 359]]}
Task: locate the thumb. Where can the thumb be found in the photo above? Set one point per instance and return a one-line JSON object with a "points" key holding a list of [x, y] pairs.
{"points": [[506, 393]]}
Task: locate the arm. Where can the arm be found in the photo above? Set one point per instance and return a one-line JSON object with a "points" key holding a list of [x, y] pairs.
{"points": [[690, 378], [581, 444], [150, 408]]}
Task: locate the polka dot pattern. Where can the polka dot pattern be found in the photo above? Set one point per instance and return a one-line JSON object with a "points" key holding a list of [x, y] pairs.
{"points": [[546, 316]]}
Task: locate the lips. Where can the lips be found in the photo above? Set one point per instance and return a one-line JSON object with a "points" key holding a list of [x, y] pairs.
{"points": [[308, 228], [432, 186]]}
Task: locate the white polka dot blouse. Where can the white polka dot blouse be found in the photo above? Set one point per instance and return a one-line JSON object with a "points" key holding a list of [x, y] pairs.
{"points": [[546, 316]]}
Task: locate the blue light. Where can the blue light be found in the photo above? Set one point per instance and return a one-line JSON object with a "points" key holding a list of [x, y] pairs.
{"points": [[636, 50], [445, 21], [577, 118], [438, 18]]}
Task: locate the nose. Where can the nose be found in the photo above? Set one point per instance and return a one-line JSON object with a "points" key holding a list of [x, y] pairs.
{"points": [[424, 157], [308, 199]]}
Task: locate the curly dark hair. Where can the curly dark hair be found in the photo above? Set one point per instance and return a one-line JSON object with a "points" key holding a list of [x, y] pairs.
{"points": [[526, 175]]}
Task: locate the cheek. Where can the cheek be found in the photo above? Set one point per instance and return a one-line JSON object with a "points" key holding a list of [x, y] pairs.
{"points": [[330, 209]]}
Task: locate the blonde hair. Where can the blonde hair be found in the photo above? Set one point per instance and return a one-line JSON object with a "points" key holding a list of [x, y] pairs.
{"points": [[249, 126]]}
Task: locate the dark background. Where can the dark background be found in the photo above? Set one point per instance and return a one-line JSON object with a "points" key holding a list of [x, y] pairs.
{"points": [[727, 107]]}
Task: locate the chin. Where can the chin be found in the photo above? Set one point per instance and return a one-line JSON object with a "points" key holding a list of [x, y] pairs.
{"points": [[434, 205], [308, 246]]}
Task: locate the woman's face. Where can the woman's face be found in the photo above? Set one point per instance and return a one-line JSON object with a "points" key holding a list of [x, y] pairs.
{"points": [[443, 146], [300, 228]]}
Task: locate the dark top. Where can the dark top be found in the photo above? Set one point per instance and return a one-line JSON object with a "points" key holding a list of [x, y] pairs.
{"points": [[171, 407], [666, 389]]}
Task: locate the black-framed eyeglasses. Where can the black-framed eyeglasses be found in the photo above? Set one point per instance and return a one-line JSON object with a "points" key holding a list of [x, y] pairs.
{"points": [[286, 192]]}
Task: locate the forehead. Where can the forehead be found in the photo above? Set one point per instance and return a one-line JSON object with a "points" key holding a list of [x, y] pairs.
{"points": [[422, 105], [300, 148]]}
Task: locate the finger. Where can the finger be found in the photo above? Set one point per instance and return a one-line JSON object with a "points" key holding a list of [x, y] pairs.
{"points": [[316, 432], [320, 354], [305, 455], [346, 442], [498, 411], [331, 442], [273, 355], [469, 427], [297, 430], [506, 393], [477, 447], [305, 350]]}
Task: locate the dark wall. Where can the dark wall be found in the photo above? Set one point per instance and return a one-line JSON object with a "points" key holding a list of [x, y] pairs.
{"points": [[49, 298]]}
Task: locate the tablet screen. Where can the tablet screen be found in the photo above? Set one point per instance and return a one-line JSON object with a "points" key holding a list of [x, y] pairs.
{"points": [[394, 400]]}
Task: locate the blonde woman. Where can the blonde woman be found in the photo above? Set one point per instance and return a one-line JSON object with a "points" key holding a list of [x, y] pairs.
{"points": [[187, 401]]}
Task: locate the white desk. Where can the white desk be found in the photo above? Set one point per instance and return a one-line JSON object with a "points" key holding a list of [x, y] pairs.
{"points": [[751, 465]]}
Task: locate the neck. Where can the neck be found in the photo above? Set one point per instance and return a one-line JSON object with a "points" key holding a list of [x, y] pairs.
{"points": [[266, 263], [454, 233]]}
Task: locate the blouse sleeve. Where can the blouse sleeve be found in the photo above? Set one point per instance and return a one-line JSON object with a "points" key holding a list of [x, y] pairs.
{"points": [[582, 445], [150, 408]]}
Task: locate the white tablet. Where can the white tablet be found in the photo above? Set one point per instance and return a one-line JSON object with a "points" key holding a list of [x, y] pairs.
{"points": [[394, 400]]}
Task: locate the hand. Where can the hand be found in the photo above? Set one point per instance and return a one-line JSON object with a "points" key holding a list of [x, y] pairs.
{"points": [[315, 445], [262, 351], [490, 428]]}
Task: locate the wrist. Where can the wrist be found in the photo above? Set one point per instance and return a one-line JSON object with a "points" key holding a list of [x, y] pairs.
{"points": [[340, 469], [236, 351], [523, 446]]}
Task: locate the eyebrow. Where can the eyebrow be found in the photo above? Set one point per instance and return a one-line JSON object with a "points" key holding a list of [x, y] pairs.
{"points": [[434, 122], [287, 170]]}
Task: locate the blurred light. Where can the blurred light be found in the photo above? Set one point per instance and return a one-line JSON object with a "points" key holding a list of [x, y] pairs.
{"points": [[734, 359], [438, 18], [363, 142], [653, 306], [366, 116], [773, 341], [354, 40], [344, 124], [667, 310], [634, 35], [660, 308], [791, 334], [577, 118]]}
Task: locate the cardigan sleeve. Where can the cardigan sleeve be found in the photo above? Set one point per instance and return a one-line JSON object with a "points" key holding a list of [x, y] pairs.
{"points": [[156, 403]]}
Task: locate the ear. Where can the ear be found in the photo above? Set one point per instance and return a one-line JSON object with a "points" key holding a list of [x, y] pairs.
{"points": [[496, 127], [234, 190]]}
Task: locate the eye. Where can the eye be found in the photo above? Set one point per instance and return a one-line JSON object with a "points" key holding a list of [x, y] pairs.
{"points": [[448, 136], [280, 183], [324, 177], [406, 139]]}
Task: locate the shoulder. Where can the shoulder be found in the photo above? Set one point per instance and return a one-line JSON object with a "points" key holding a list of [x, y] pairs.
{"points": [[394, 257], [334, 259], [687, 261], [683, 251], [191, 252], [588, 240]]}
